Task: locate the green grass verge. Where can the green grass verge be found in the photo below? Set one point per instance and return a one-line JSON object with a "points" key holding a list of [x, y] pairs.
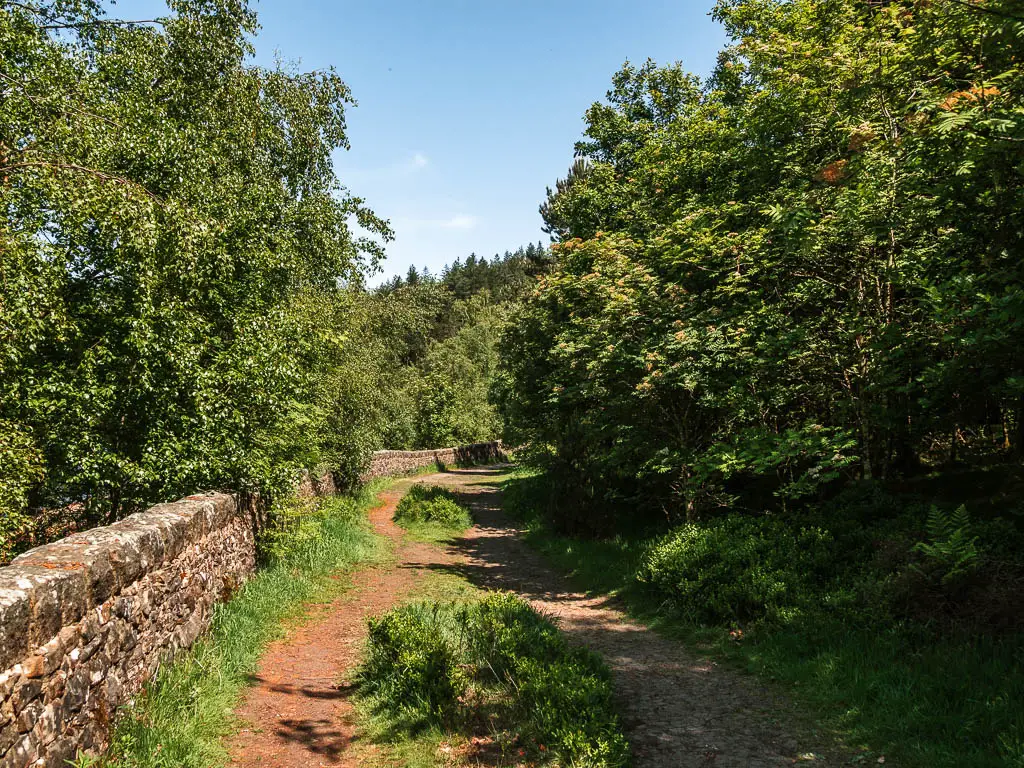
{"points": [[921, 698], [183, 715]]}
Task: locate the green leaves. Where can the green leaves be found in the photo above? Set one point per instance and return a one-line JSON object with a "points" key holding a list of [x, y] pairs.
{"points": [[449, 663], [808, 245], [952, 553], [740, 569], [171, 219], [432, 504], [23, 468]]}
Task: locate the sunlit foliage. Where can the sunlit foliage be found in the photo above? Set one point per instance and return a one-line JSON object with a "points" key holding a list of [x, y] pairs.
{"points": [[802, 269]]}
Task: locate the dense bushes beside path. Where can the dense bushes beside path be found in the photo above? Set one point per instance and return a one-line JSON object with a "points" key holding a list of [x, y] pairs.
{"points": [[896, 624], [775, 379]]}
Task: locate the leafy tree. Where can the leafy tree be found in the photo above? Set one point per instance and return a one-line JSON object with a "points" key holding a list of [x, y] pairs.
{"points": [[171, 216], [453, 397], [798, 270]]}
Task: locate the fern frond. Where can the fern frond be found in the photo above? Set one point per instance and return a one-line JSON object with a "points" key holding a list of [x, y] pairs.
{"points": [[960, 520]]}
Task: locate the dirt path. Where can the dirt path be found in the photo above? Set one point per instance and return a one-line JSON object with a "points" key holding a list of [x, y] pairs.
{"points": [[297, 715], [678, 710]]}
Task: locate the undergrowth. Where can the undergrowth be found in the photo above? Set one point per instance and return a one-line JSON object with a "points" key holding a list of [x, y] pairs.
{"points": [[891, 622], [183, 714], [493, 667], [432, 505]]}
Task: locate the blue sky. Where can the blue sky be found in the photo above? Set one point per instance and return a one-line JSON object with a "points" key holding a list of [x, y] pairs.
{"points": [[468, 109]]}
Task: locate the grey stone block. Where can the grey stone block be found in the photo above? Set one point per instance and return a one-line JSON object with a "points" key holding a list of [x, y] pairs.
{"points": [[8, 736], [148, 536], [15, 617], [77, 690], [25, 693], [89, 551], [172, 523], [29, 715], [58, 595], [24, 752], [49, 723]]}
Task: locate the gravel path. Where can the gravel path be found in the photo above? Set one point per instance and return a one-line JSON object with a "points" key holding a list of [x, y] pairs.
{"points": [[678, 710]]}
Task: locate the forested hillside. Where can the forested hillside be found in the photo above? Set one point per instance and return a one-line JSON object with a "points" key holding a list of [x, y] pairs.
{"points": [[424, 350]]}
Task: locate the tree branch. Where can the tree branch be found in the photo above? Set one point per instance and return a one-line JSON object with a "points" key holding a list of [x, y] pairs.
{"points": [[82, 169], [983, 9], [38, 100], [79, 25], [105, 23]]}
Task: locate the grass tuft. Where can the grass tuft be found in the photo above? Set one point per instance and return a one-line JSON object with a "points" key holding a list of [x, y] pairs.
{"points": [[431, 513], [494, 667]]}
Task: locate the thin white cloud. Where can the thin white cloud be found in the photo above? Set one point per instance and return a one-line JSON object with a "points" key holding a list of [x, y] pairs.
{"points": [[459, 221], [396, 170]]}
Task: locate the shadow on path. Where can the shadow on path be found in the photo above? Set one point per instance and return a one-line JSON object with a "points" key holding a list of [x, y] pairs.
{"points": [[678, 710]]}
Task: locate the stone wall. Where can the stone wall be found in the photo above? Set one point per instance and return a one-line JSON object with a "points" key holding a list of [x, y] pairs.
{"points": [[384, 463], [389, 463], [311, 485], [86, 620]]}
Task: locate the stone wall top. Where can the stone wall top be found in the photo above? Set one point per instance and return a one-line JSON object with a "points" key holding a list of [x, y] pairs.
{"points": [[56, 584]]}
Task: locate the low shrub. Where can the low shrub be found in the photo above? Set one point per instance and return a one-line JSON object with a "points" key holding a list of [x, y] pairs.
{"points": [[563, 692], [432, 504], [429, 664], [739, 569], [566, 704], [505, 628], [412, 661]]}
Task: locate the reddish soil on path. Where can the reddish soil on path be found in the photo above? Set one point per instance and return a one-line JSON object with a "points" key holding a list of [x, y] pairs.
{"points": [[298, 712], [678, 710]]}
